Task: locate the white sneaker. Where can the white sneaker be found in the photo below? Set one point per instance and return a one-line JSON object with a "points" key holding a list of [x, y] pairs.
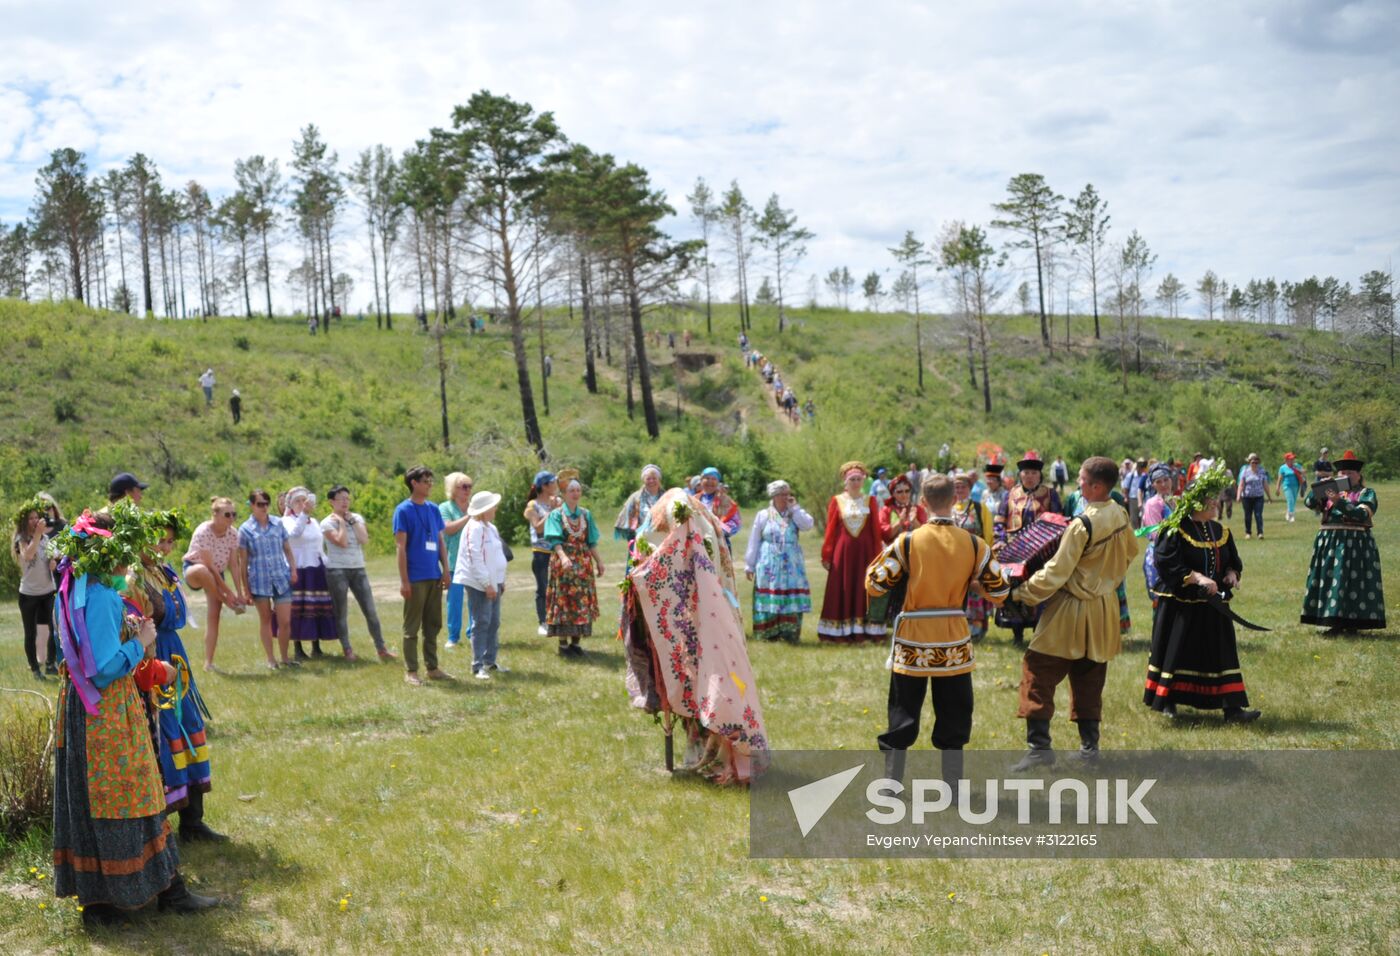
{"points": [[451, 645], [483, 674], [542, 631]]}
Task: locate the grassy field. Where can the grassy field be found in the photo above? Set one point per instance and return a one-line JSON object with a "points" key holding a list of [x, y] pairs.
{"points": [[532, 813]]}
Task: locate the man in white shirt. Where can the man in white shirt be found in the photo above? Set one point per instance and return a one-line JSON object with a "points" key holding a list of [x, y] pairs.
{"points": [[206, 382]]}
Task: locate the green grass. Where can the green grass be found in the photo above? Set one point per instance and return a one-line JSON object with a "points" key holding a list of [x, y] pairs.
{"points": [[532, 814]]}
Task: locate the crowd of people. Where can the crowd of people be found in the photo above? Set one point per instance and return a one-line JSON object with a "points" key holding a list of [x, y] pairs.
{"points": [[783, 395], [922, 559]]}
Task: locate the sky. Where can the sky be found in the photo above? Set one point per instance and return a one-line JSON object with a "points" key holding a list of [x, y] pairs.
{"points": [[1253, 138]]}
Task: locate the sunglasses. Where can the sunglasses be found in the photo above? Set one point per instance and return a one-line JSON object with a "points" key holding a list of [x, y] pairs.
{"points": [[230, 514], [261, 504]]}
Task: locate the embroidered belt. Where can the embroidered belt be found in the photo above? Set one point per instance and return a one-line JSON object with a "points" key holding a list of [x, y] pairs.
{"points": [[919, 615]]}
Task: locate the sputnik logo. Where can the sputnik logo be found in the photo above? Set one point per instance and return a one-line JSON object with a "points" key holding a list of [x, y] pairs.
{"points": [[811, 801]]}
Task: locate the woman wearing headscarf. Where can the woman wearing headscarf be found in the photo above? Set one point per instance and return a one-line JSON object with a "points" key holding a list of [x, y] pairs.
{"points": [[851, 542], [111, 840], [903, 513], [1023, 505], [543, 498], [637, 508], [975, 518], [774, 563], [1344, 579], [1158, 508], [1194, 660], [572, 597], [313, 612]]}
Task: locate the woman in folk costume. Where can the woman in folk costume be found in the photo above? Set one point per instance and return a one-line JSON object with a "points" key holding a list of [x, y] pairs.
{"points": [[1194, 660], [851, 542], [637, 508], [571, 601], [975, 518], [1158, 508], [1023, 504], [1344, 579], [903, 513], [993, 495], [184, 752], [686, 655], [313, 613], [773, 562], [111, 842]]}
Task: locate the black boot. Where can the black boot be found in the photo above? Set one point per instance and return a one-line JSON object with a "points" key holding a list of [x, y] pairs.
{"points": [[1016, 637], [1089, 741], [1240, 715], [101, 914], [894, 764], [1039, 754], [316, 649], [953, 771], [177, 898], [193, 829], [300, 654]]}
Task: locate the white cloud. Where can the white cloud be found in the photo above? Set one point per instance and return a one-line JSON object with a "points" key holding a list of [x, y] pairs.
{"points": [[1255, 139]]}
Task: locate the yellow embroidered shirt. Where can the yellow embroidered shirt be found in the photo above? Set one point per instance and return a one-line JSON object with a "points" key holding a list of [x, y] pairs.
{"points": [[941, 564]]}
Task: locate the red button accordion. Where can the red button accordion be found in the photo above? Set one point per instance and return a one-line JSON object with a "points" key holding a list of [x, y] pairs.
{"points": [[1032, 546]]}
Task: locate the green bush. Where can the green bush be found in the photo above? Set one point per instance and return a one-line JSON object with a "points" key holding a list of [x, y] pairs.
{"points": [[26, 772], [285, 453], [65, 410]]}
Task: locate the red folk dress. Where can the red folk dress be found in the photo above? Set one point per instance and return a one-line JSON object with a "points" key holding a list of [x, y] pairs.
{"points": [[894, 521], [852, 541]]}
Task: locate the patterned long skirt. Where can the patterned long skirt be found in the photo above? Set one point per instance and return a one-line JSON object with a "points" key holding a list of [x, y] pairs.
{"points": [[111, 842], [184, 752], [1344, 581], [781, 594], [571, 599], [313, 614]]}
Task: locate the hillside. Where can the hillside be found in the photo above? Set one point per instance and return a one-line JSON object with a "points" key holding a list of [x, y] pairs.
{"points": [[89, 394]]}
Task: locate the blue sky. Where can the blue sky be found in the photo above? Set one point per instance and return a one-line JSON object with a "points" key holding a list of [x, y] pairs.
{"points": [[1252, 138]]}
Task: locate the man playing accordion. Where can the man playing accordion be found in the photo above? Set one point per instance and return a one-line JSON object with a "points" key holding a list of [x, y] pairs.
{"points": [[1077, 633]]}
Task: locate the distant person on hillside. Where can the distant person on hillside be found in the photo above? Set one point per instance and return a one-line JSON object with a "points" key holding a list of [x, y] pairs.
{"points": [[235, 405], [743, 341], [1290, 481], [687, 338], [671, 340], [454, 520], [1059, 474], [811, 409], [548, 366], [346, 537], [206, 382], [311, 324], [125, 485], [423, 573], [213, 551], [1252, 492]]}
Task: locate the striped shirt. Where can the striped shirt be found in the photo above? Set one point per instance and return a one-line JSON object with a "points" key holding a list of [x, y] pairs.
{"points": [[268, 572]]}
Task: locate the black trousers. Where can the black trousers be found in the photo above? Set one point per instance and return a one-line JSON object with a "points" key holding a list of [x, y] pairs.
{"points": [[539, 563], [36, 609], [952, 711]]}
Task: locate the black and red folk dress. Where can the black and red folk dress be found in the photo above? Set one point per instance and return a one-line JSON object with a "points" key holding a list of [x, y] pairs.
{"points": [[1194, 658]]}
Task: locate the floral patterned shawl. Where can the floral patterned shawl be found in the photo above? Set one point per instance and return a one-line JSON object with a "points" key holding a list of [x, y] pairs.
{"points": [[697, 642]]}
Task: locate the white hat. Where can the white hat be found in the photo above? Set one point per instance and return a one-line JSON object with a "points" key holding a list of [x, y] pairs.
{"points": [[482, 502]]}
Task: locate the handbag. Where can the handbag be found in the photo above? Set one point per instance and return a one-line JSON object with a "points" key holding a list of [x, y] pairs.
{"points": [[505, 548]]}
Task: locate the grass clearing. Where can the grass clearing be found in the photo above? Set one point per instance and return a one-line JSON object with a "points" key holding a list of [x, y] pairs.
{"points": [[531, 813]]}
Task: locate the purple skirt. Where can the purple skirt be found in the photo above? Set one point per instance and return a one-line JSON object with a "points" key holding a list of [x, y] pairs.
{"points": [[313, 615]]}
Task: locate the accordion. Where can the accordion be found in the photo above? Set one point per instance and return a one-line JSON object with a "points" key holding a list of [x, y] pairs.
{"points": [[1032, 546]]}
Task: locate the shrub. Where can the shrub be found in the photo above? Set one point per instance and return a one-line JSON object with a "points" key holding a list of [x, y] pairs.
{"points": [[26, 774], [361, 434], [65, 410], [241, 342], [285, 453]]}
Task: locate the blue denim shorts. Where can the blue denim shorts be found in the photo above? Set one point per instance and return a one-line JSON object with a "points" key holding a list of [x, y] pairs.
{"points": [[283, 595]]}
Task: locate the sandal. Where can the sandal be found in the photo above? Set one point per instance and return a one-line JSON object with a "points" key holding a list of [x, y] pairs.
{"points": [[271, 665]]}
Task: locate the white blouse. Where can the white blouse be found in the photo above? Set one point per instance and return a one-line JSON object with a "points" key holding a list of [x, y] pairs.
{"points": [[307, 540]]}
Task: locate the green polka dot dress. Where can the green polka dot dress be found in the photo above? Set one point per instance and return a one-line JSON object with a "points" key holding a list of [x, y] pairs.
{"points": [[1344, 579]]}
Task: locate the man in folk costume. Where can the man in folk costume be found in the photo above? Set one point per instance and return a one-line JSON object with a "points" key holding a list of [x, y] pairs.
{"points": [[1023, 504], [1077, 633], [938, 563]]}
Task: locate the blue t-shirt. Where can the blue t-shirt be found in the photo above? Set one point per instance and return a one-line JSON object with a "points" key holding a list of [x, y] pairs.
{"points": [[1289, 476], [422, 523]]}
